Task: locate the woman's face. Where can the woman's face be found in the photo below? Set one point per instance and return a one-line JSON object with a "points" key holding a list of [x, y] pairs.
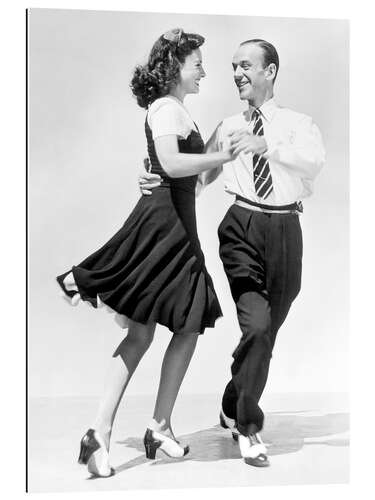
{"points": [[191, 73]]}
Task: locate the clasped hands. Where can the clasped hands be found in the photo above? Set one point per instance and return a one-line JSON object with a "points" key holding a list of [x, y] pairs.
{"points": [[244, 141], [241, 140]]}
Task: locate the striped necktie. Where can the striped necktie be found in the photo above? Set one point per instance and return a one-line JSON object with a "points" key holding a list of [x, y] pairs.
{"points": [[261, 168]]}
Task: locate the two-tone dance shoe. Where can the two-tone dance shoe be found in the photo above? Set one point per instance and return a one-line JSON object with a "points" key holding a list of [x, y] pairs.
{"points": [[253, 450], [154, 440], [228, 423], [94, 454]]}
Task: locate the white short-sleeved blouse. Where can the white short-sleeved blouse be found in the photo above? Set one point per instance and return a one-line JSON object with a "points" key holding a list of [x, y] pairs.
{"points": [[168, 116]]}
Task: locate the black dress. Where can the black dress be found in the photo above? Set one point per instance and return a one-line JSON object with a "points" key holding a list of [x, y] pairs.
{"points": [[153, 268]]}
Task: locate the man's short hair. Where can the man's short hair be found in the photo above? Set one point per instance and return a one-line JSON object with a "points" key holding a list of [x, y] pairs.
{"points": [[270, 54]]}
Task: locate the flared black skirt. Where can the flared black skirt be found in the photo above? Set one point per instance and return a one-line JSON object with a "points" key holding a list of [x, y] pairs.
{"points": [[152, 269]]}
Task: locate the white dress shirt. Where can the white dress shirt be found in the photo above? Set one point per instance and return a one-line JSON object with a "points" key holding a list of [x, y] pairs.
{"points": [[295, 153]]}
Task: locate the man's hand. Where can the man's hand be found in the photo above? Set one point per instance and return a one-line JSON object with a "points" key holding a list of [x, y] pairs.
{"points": [[148, 181], [244, 141]]}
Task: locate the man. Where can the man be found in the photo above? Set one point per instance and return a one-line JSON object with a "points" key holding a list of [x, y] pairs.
{"points": [[260, 236]]}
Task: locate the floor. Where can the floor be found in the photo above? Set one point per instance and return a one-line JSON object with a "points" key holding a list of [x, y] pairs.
{"points": [[307, 437]]}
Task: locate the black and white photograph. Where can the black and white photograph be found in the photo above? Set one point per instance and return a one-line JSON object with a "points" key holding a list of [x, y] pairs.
{"points": [[188, 251]]}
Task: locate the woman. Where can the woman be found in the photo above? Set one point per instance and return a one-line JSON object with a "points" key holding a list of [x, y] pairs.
{"points": [[152, 270]]}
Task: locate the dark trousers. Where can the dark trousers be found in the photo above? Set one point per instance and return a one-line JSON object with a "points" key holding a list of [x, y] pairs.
{"points": [[262, 258]]}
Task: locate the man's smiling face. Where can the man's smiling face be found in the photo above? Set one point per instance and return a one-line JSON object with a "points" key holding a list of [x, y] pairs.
{"points": [[249, 73]]}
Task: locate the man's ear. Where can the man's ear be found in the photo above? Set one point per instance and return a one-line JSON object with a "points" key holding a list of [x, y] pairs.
{"points": [[271, 71]]}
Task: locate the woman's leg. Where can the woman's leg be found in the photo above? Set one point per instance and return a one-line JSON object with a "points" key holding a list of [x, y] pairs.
{"points": [[175, 363], [123, 364]]}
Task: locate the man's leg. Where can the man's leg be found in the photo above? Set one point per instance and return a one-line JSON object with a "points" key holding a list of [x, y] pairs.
{"points": [[229, 401], [242, 253], [274, 251], [251, 360]]}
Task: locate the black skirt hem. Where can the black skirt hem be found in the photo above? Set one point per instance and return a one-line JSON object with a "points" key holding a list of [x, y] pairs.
{"points": [[152, 319]]}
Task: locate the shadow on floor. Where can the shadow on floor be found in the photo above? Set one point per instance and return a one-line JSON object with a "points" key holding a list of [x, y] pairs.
{"points": [[284, 433]]}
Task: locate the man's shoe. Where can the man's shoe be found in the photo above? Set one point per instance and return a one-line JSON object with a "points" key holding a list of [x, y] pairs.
{"points": [[253, 450]]}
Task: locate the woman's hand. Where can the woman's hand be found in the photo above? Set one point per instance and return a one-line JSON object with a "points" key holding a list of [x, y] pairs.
{"points": [[228, 149]]}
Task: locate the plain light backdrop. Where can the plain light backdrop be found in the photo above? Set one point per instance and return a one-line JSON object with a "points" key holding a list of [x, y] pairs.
{"points": [[86, 145]]}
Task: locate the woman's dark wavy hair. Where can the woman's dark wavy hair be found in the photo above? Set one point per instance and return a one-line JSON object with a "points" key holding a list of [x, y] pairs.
{"points": [[162, 71]]}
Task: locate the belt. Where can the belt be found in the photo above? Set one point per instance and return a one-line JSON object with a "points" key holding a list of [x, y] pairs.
{"points": [[276, 209]]}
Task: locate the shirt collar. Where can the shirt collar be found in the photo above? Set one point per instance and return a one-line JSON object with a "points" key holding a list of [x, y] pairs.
{"points": [[267, 109]]}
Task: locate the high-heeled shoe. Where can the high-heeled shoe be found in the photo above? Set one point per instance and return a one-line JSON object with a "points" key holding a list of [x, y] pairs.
{"points": [[94, 454], [154, 440], [71, 295], [253, 450]]}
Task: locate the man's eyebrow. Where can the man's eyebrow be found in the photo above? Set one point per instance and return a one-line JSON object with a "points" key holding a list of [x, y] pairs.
{"points": [[243, 61]]}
